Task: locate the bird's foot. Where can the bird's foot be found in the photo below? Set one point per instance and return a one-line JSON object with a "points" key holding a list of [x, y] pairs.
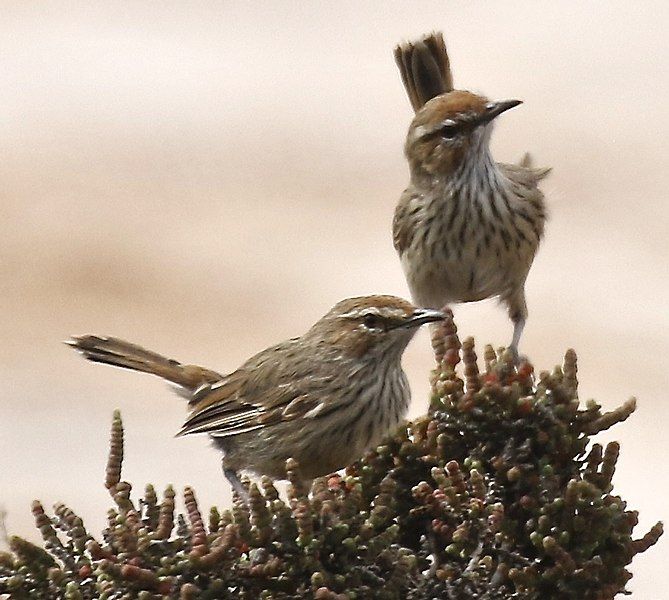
{"points": [[518, 358], [237, 486]]}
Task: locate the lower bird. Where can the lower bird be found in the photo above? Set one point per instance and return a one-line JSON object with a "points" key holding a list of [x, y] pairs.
{"points": [[322, 398]]}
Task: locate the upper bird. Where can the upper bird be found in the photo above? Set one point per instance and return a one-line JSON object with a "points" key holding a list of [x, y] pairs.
{"points": [[466, 228], [322, 398]]}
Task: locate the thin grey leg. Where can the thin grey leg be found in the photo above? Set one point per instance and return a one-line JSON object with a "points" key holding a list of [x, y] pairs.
{"points": [[518, 314], [518, 327], [233, 478]]}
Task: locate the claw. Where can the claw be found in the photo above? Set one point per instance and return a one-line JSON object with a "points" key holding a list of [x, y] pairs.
{"points": [[237, 486]]}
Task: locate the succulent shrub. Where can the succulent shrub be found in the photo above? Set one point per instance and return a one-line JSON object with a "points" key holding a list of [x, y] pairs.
{"points": [[498, 492]]}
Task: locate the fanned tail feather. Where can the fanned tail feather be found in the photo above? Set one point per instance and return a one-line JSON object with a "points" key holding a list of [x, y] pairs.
{"points": [[425, 68]]}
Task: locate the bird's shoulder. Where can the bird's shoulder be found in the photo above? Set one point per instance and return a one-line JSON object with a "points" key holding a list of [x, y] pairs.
{"points": [[250, 383], [404, 225], [524, 173], [275, 385]]}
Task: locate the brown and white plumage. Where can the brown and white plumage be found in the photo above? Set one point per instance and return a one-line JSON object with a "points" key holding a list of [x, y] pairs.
{"points": [[322, 398], [466, 228], [425, 68]]}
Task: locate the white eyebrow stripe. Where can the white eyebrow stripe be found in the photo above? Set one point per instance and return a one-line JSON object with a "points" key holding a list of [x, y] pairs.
{"points": [[359, 312], [421, 131], [385, 313]]}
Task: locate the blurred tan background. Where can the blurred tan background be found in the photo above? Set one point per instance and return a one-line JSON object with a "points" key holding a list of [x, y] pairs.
{"points": [[208, 178]]}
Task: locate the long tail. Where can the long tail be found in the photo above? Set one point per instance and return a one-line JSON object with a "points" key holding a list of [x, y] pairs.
{"points": [[425, 68], [120, 353]]}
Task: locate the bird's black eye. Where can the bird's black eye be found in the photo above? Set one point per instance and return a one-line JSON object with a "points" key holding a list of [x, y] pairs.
{"points": [[371, 321], [448, 130]]}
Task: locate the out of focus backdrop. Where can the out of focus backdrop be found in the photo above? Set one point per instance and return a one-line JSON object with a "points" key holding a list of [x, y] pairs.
{"points": [[208, 178]]}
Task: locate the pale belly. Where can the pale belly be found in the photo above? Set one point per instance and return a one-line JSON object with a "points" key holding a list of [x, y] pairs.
{"points": [[455, 249], [468, 277], [322, 446]]}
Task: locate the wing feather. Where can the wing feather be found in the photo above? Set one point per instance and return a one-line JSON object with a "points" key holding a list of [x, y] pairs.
{"points": [[222, 409], [274, 386], [404, 225]]}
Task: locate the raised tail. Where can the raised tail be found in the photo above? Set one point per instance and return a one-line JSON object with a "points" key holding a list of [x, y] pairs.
{"points": [[120, 353], [425, 68]]}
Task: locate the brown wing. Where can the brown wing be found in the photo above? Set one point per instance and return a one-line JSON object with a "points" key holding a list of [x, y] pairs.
{"points": [[268, 389], [529, 210], [403, 221], [524, 172]]}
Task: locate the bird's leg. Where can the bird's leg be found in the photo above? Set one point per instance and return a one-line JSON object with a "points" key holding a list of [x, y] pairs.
{"points": [[518, 314], [235, 482], [518, 326]]}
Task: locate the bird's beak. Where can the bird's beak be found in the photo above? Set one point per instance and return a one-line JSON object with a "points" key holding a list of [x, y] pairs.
{"points": [[494, 109], [421, 316]]}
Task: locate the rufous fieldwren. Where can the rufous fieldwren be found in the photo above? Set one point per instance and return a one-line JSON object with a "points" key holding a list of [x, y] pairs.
{"points": [[466, 228], [322, 398]]}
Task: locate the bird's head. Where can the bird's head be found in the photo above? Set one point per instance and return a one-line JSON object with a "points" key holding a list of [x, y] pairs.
{"points": [[450, 129], [372, 326]]}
